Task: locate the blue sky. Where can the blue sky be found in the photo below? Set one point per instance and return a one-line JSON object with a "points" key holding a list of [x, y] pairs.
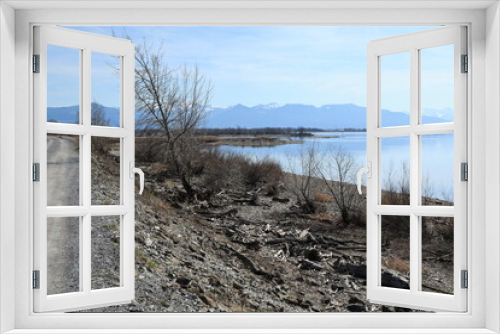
{"points": [[311, 65]]}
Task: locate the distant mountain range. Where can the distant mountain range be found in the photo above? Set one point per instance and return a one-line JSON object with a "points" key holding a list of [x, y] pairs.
{"points": [[70, 115], [332, 116]]}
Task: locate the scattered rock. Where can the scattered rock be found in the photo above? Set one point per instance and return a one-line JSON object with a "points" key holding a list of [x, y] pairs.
{"points": [[183, 282], [303, 234], [240, 251], [207, 300], [356, 308], [313, 255], [394, 281], [356, 270], [308, 265]]}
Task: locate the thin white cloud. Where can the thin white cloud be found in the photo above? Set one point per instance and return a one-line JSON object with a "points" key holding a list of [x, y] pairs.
{"points": [[251, 65]]}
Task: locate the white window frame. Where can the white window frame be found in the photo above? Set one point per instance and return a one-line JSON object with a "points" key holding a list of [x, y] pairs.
{"points": [[413, 44], [483, 125], [86, 44]]}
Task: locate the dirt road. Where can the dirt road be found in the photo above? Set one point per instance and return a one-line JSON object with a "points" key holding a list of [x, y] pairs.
{"points": [[63, 250], [63, 177]]}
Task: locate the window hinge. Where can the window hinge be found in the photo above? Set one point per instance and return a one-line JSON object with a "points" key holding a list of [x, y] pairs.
{"points": [[465, 279], [36, 63], [465, 64], [464, 171], [36, 279], [36, 172]]}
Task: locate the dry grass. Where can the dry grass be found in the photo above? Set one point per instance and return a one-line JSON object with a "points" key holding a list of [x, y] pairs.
{"points": [[170, 183], [323, 198], [158, 167], [397, 264], [324, 216], [210, 139], [391, 198], [158, 203]]}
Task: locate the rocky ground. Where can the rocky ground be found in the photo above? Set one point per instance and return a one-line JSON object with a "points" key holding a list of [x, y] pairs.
{"points": [[246, 251]]}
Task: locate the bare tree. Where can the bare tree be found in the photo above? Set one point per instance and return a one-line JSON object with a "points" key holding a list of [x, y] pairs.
{"points": [[389, 187], [175, 101], [302, 178], [98, 117], [446, 193], [396, 185], [404, 183], [427, 189], [337, 171]]}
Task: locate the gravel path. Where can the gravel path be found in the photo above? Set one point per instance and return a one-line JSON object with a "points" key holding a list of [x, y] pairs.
{"points": [[63, 252]]}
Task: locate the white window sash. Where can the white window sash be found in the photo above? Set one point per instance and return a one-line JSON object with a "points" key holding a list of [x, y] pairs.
{"points": [[86, 298], [414, 297]]}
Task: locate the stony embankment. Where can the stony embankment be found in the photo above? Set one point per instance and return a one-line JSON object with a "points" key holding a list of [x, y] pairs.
{"points": [[240, 252]]}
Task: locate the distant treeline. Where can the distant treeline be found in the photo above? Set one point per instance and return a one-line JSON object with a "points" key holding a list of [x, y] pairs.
{"points": [[297, 132], [292, 132]]}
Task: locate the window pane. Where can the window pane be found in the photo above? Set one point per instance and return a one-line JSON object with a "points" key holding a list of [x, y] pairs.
{"points": [[105, 252], [105, 92], [395, 170], [395, 89], [437, 84], [63, 170], [63, 85], [437, 254], [105, 171], [437, 169], [63, 255], [395, 250]]}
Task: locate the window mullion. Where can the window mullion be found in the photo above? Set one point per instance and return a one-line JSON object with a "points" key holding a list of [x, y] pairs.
{"points": [[414, 170], [85, 246]]}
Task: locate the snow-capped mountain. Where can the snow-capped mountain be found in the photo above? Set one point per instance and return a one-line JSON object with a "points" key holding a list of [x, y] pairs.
{"points": [[332, 116]]}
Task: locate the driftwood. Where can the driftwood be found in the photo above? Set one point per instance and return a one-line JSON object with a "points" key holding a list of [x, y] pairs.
{"points": [[338, 243], [223, 214], [309, 265], [249, 263]]}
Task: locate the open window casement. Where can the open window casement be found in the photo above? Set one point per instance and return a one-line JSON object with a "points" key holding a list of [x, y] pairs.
{"points": [[68, 218], [416, 210]]}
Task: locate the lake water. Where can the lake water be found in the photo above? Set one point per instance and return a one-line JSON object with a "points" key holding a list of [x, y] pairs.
{"points": [[436, 157]]}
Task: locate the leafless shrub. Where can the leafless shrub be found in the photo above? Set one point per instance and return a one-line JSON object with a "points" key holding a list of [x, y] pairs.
{"points": [[404, 183], [438, 229], [230, 170], [263, 170], [396, 185], [150, 146], [395, 227], [338, 171], [446, 193], [222, 170], [389, 188], [302, 177], [427, 189]]}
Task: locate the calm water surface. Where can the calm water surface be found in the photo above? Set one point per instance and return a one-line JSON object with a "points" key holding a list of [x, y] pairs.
{"points": [[436, 156]]}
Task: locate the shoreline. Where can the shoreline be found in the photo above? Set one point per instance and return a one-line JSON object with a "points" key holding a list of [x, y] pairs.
{"points": [[258, 141]]}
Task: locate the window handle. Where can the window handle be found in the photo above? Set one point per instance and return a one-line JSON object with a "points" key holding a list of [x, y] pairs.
{"points": [[368, 171], [133, 171]]}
